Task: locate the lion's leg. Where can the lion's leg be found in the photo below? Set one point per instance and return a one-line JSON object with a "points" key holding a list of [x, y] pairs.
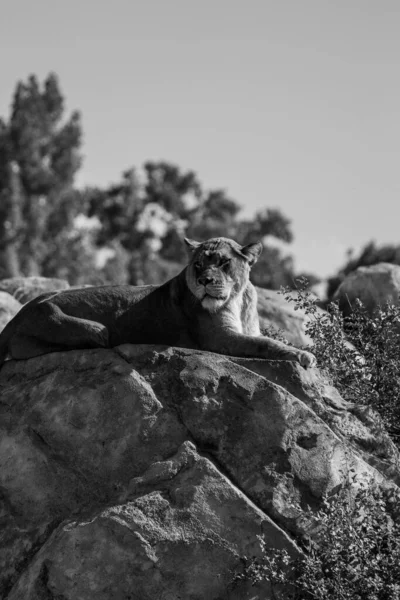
{"points": [[55, 328], [237, 344]]}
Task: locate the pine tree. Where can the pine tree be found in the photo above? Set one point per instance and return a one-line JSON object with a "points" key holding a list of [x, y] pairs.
{"points": [[39, 152]]}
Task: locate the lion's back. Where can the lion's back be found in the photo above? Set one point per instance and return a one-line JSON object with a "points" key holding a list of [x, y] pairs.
{"points": [[100, 303]]}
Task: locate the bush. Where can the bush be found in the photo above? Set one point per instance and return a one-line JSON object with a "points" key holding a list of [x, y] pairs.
{"points": [[360, 353], [355, 554]]}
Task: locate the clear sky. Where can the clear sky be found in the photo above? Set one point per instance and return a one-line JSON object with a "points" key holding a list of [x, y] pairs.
{"points": [[292, 104]]}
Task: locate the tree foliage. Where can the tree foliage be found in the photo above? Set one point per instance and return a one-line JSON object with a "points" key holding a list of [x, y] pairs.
{"points": [[138, 223], [40, 156]]}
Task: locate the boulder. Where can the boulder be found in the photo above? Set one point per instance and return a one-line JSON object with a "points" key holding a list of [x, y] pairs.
{"points": [[28, 288], [175, 533], [9, 307], [374, 286], [147, 472], [277, 313]]}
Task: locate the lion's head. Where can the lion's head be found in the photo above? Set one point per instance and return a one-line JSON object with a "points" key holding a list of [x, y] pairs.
{"points": [[219, 270]]}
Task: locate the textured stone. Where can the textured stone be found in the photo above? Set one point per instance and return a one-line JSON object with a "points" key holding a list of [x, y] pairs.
{"points": [[28, 288], [176, 533], [374, 286], [274, 311], [9, 307], [147, 472]]}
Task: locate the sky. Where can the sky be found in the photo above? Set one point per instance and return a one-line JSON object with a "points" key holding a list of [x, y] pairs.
{"points": [[289, 104]]}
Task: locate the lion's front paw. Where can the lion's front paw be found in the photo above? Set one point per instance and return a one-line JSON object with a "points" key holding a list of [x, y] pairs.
{"points": [[306, 359], [100, 335]]}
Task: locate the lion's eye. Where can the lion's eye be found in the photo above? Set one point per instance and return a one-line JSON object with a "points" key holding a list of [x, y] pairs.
{"points": [[197, 265], [226, 263]]}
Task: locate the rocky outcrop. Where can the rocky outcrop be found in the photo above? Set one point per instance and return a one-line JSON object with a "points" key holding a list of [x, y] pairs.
{"points": [[147, 472], [178, 534], [274, 311], [374, 286], [9, 307], [28, 288]]}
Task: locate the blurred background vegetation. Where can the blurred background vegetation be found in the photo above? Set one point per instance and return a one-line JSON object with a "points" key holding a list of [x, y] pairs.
{"points": [[130, 232]]}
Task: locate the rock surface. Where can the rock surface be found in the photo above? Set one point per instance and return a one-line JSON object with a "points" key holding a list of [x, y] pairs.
{"points": [[9, 307], [28, 288], [274, 311], [374, 286], [177, 534], [147, 472]]}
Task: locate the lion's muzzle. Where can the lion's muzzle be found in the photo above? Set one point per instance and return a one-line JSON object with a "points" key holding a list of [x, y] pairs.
{"points": [[205, 280]]}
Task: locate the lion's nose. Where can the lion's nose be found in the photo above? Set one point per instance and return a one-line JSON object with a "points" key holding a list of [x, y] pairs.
{"points": [[205, 280]]}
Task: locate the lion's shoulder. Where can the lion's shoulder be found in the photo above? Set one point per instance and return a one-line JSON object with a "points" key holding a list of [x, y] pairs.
{"points": [[249, 316]]}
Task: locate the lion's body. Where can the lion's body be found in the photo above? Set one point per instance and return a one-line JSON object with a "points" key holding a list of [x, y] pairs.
{"points": [[219, 314]]}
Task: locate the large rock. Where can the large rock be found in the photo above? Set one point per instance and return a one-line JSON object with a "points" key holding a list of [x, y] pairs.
{"points": [[176, 534], [276, 312], [9, 307], [146, 472], [374, 286], [28, 288]]}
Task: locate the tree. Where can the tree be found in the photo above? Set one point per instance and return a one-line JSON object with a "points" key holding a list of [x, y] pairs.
{"points": [[268, 222], [41, 156], [215, 217], [10, 217], [169, 187], [142, 219], [117, 207], [274, 268], [150, 221]]}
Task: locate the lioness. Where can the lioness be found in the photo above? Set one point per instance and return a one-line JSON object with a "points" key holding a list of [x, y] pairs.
{"points": [[211, 305]]}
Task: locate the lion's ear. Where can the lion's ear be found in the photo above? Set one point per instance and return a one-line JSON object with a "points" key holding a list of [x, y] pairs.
{"points": [[252, 252], [191, 244]]}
